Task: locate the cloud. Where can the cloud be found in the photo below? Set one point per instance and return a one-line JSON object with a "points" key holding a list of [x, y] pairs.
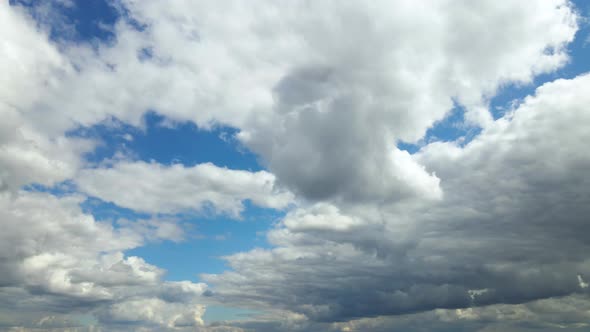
{"points": [[56, 260], [509, 229], [153, 311], [155, 188], [380, 73], [30, 64], [322, 91], [322, 110]]}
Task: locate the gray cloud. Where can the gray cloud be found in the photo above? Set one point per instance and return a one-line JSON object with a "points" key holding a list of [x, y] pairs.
{"points": [[155, 188], [386, 72], [322, 91], [563, 314], [510, 228]]}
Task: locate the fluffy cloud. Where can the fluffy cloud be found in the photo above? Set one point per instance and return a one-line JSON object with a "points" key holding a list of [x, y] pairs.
{"points": [[510, 228], [56, 260], [30, 64], [379, 73], [323, 92], [155, 188], [337, 103], [153, 311]]}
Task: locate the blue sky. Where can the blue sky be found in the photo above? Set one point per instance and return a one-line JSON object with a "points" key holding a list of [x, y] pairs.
{"points": [[319, 197]]}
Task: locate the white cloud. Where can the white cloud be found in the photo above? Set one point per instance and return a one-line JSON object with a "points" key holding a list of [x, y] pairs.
{"points": [[56, 259], [321, 217], [30, 65], [322, 91], [325, 105], [155, 188]]}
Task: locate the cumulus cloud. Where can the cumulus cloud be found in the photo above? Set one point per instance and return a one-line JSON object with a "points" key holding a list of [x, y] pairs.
{"points": [[155, 188], [339, 104], [510, 228], [30, 64], [57, 260], [453, 236], [153, 311], [382, 72]]}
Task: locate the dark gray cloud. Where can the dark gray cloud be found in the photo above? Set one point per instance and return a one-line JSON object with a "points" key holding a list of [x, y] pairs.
{"points": [[563, 314], [510, 228]]}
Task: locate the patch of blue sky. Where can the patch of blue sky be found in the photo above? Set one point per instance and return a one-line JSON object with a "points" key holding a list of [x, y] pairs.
{"points": [[179, 143], [451, 128], [74, 20], [219, 313], [208, 240], [61, 189]]}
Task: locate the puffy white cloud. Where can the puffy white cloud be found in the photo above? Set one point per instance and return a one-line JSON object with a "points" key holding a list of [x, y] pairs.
{"points": [[29, 61], [321, 217], [30, 65], [55, 260], [153, 311], [322, 91], [324, 111], [155, 188]]}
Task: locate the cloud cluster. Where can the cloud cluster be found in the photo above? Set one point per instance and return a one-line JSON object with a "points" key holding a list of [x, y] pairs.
{"points": [[57, 260], [450, 237], [332, 85], [510, 229]]}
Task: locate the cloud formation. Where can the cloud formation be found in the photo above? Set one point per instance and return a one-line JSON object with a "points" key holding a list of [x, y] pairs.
{"points": [[57, 260], [510, 228], [154, 188], [484, 236]]}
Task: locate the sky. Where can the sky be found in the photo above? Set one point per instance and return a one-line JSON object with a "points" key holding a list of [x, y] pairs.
{"points": [[296, 166]]}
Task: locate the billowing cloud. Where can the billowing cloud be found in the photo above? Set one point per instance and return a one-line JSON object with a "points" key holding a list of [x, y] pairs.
{"points": [[510, 228], [479, 237], [379, 73], [324, 111], [154, 188], [30, 64], [57, 260]]}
